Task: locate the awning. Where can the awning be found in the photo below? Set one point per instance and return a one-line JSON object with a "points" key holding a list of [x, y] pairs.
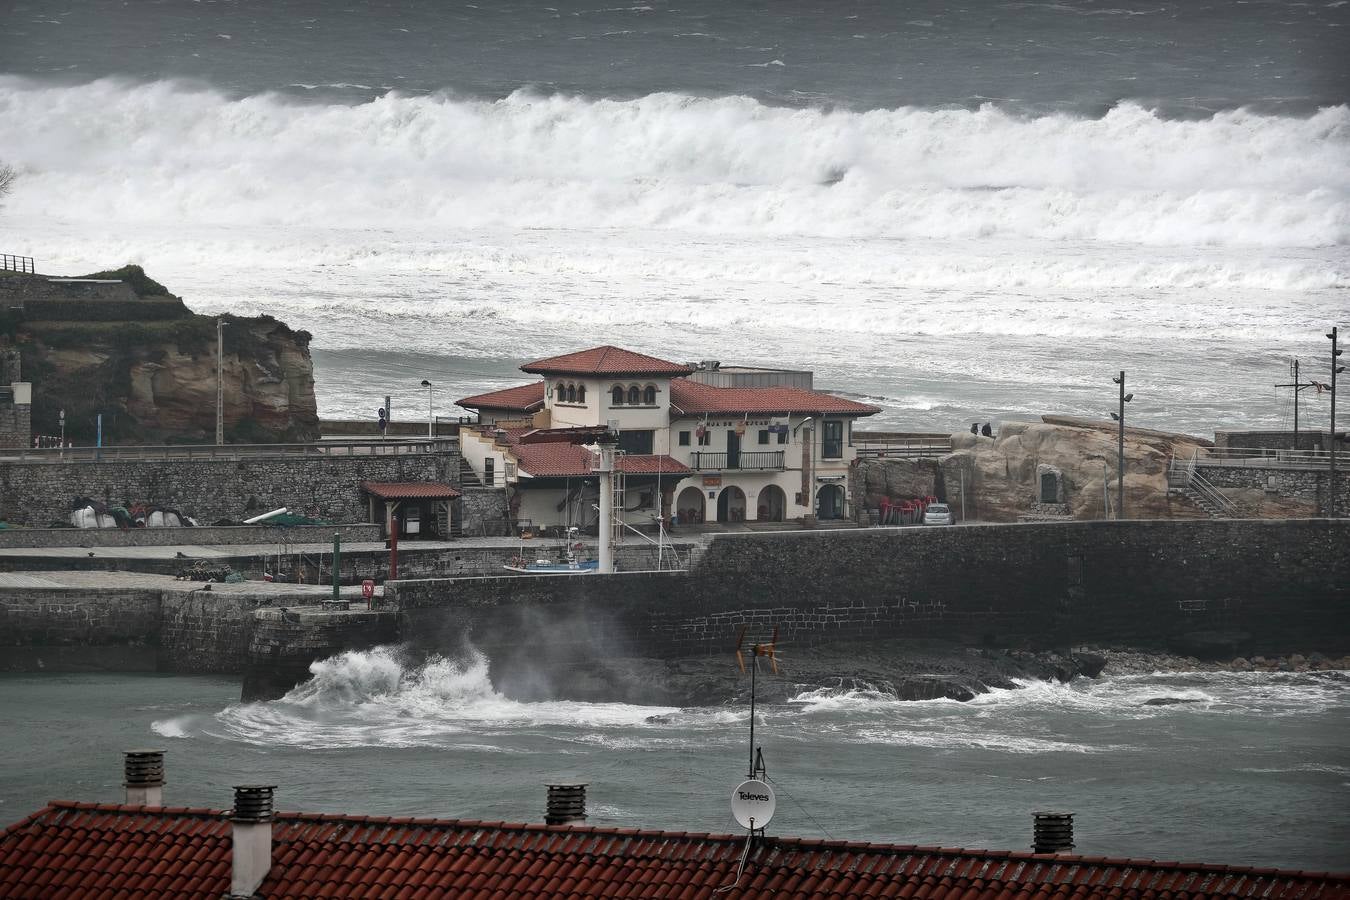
{"points": [[409, 490]]}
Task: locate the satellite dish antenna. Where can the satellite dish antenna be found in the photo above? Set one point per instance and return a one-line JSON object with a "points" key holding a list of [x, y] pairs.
{"points": [[753, 804]]}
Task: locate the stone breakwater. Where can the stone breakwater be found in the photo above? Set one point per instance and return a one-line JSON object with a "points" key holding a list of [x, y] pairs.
{"points": [[1135, 661]]}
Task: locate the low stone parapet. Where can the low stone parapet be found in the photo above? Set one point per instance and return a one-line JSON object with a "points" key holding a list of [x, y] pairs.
{"points": [[203, 535]]}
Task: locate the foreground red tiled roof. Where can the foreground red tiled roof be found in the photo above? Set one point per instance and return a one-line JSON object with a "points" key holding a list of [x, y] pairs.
{"points": [[409, 490], [605, 361], [694, 398], [86, 850], [522, 398]]}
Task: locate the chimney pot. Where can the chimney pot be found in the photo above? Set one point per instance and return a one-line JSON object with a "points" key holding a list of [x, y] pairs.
{"points": [[566, 803], [143, 772], [1052, 832], [251, 850], [253, 803]]}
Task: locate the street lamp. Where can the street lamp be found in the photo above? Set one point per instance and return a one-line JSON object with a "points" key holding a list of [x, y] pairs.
{"points": [[1335, 370], [427, 384], [1120, 446]]}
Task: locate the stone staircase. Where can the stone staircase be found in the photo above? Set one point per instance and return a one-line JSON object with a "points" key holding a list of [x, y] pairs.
{"points": [[1184, 481], [467, 476], [1211, 508]]}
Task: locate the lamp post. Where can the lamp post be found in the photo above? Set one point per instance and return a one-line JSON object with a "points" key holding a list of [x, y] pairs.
{"points": [[1120, 446], [1331, 446], [427, 384], [220, 381]]}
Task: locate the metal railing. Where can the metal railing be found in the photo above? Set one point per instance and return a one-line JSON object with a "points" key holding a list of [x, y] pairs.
{"points": [[227, 451], [912, 448], [21, 264], [1261, 457], [746, 459], [1183, 475]]}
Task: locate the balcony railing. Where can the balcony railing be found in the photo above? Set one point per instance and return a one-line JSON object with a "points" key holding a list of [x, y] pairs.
{"points": [[761, 460]]}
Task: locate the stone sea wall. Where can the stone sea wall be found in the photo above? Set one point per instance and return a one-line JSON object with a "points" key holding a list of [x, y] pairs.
{"points": [[1238, 586], [37, 494], [1308, 485], [62, 630]]}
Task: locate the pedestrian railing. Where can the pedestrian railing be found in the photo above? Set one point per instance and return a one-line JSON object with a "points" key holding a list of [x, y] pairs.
{"points": [[902, 448], [1261, 457], [322, 450], [21, 264]]}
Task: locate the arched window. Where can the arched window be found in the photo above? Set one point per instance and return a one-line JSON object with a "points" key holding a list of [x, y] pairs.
{"points": [[581, 393], [634, 396], [571, 393], [649, 395], [616, 395], [560, 393]]}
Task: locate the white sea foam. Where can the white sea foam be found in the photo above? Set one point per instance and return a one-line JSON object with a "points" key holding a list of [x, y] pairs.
{"points": [[163, 152], [373, 698]]}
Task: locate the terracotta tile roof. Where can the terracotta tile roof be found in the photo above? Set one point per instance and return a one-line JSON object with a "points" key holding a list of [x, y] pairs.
{"points": [[552, 459], [522, 398], [409, 490], [695, 398], [605, 361], [638, 464], [558, 460], [85, 850]]}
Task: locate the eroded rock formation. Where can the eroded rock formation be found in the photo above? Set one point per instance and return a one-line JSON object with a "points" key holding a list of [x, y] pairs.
{"points": [[1000, 477], [141, 358]]}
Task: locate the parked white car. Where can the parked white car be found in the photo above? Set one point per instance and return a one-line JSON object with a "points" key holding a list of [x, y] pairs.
{"points": [[938, 514]]}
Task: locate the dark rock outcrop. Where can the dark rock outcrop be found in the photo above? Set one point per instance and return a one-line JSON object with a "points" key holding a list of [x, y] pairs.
{"points": [[141, 358]]}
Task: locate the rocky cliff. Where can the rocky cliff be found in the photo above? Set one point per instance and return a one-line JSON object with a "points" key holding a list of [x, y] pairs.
{"points": [[1004, 476], [119, 344]]}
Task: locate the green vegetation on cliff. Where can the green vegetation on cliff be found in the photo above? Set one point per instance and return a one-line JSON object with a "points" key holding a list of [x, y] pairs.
{"points": [[134, 275]]}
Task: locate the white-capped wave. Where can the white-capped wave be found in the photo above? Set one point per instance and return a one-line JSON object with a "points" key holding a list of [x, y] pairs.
{"points": [[164, 152], [375, 698]]}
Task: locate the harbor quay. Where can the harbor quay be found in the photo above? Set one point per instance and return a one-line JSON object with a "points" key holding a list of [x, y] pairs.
{"points": [[1214, 588]]}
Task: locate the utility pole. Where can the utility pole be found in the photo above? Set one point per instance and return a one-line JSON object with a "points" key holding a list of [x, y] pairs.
{"points": [[1335, 370], [1298, 387], [1120, 446], [220, 381]]}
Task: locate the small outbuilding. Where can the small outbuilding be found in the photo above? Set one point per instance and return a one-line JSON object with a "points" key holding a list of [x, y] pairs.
{"points": [[425, 509]]}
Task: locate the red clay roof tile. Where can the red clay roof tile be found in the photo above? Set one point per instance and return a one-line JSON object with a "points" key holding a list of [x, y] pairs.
{"points": [[694, 398], [521, 398], [409, 490], [605, 361], [81, 849]]}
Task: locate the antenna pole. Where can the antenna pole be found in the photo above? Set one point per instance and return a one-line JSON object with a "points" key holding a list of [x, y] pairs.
{"points": [[1296, 403], [754, 667]]}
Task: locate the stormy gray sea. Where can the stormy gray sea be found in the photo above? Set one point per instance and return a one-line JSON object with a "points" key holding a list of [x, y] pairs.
{"points": [[956, 211]]}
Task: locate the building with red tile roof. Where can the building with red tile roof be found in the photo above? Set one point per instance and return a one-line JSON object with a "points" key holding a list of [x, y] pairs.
{"points": [[88, 851], [750, 444]]}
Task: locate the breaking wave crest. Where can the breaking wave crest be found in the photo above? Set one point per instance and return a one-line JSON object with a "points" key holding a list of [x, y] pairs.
{"points": [[165, 152], [376, 698]]}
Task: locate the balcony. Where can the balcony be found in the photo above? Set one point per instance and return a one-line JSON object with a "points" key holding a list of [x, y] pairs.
{"points": [[746, 460]]}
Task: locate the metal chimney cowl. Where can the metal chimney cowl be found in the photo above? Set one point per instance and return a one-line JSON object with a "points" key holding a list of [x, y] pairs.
{"points": [[251, 850], [143, 772], [1052, 832], [566, 803]]}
